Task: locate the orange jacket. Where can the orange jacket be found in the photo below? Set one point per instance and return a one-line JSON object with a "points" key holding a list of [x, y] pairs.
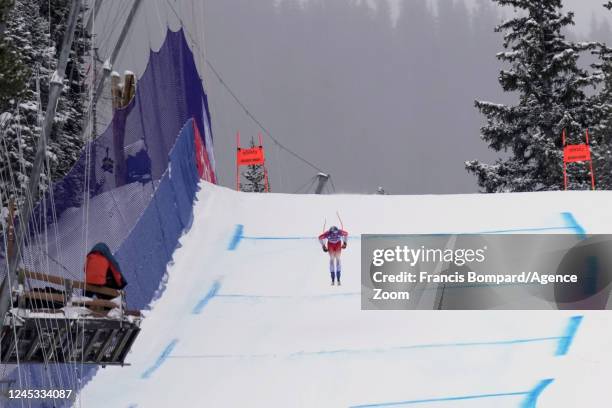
{"points": [[100, 271]]}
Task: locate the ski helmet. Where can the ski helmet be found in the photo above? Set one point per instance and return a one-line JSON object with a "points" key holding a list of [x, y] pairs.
{"points": [[333, 229]]}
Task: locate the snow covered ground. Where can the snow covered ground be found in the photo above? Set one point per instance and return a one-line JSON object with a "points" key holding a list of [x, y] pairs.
{"points": [[253, 321]]}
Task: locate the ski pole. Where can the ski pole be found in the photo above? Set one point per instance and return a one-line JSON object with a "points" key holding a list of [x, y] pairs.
{"points": [[340, 219]]}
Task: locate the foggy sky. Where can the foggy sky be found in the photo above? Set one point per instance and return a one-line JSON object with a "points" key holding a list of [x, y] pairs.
{"points": [[365, 122], [584, 10]]}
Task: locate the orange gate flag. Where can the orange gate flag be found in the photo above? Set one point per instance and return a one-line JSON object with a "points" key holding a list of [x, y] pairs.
{"points": [[576, 154], [253, 156]]}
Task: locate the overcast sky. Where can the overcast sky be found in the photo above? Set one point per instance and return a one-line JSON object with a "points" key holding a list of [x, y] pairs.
{"points": [[331, 122]]}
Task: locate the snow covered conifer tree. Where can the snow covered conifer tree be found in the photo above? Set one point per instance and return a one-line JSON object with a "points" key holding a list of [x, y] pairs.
{"points": [[38, 42], [25, 30], [66, 137], [543, 71], [255, 177], [602, 103], [13, 73]]}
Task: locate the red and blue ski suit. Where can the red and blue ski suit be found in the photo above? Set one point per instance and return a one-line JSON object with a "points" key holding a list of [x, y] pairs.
{"points": [[336, 240]]}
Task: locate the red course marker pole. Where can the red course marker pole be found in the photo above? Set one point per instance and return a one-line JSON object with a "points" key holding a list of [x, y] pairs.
{"points": [[264, 165], [237, 162], [590, 162], [564, 162]]}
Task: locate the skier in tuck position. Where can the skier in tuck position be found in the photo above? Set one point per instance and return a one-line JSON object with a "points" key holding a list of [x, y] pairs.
{"points": [[336, 242]]}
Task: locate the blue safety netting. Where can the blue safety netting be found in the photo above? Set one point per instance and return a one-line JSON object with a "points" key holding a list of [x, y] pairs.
{"points": [[133, 188], [124, 167], [146, 251]]}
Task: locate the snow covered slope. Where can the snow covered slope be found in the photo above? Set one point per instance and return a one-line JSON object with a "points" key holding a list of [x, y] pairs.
{"points": [[249, 320]]}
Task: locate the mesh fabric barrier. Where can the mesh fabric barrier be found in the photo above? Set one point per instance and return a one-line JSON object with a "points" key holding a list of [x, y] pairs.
{"points": [[125, 165], [146, 251], [143, 174]]}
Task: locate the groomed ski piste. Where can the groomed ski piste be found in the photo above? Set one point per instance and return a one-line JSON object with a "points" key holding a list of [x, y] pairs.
{"points": [[247, 316]]}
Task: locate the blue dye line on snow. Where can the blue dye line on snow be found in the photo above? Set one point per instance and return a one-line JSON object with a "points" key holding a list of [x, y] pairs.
{"points": [[442, 399], [532, 397], [160, 360], [299, 354], [358, 237], [212, 292], [484, 232], [572, 223], [347, 294], [563, 345], [529, 402], [260, 297], [435, 345], [233, 244], [570, 332]]}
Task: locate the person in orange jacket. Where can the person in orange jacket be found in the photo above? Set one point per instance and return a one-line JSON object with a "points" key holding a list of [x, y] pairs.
{"points": [[102, 269]]}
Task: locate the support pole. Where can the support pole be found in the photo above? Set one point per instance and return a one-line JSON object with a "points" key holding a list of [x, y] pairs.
{"points": [[265, 168], [118, 126], [109, 63], [55, 89], [94, 111], [129, 88], [322, 178], [92, 16], [122, 93], [124, 31], [115, 90], [11, 229]]}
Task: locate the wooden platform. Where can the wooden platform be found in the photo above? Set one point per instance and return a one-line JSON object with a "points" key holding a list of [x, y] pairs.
{"points": [[98, 341], [48, 325]]}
